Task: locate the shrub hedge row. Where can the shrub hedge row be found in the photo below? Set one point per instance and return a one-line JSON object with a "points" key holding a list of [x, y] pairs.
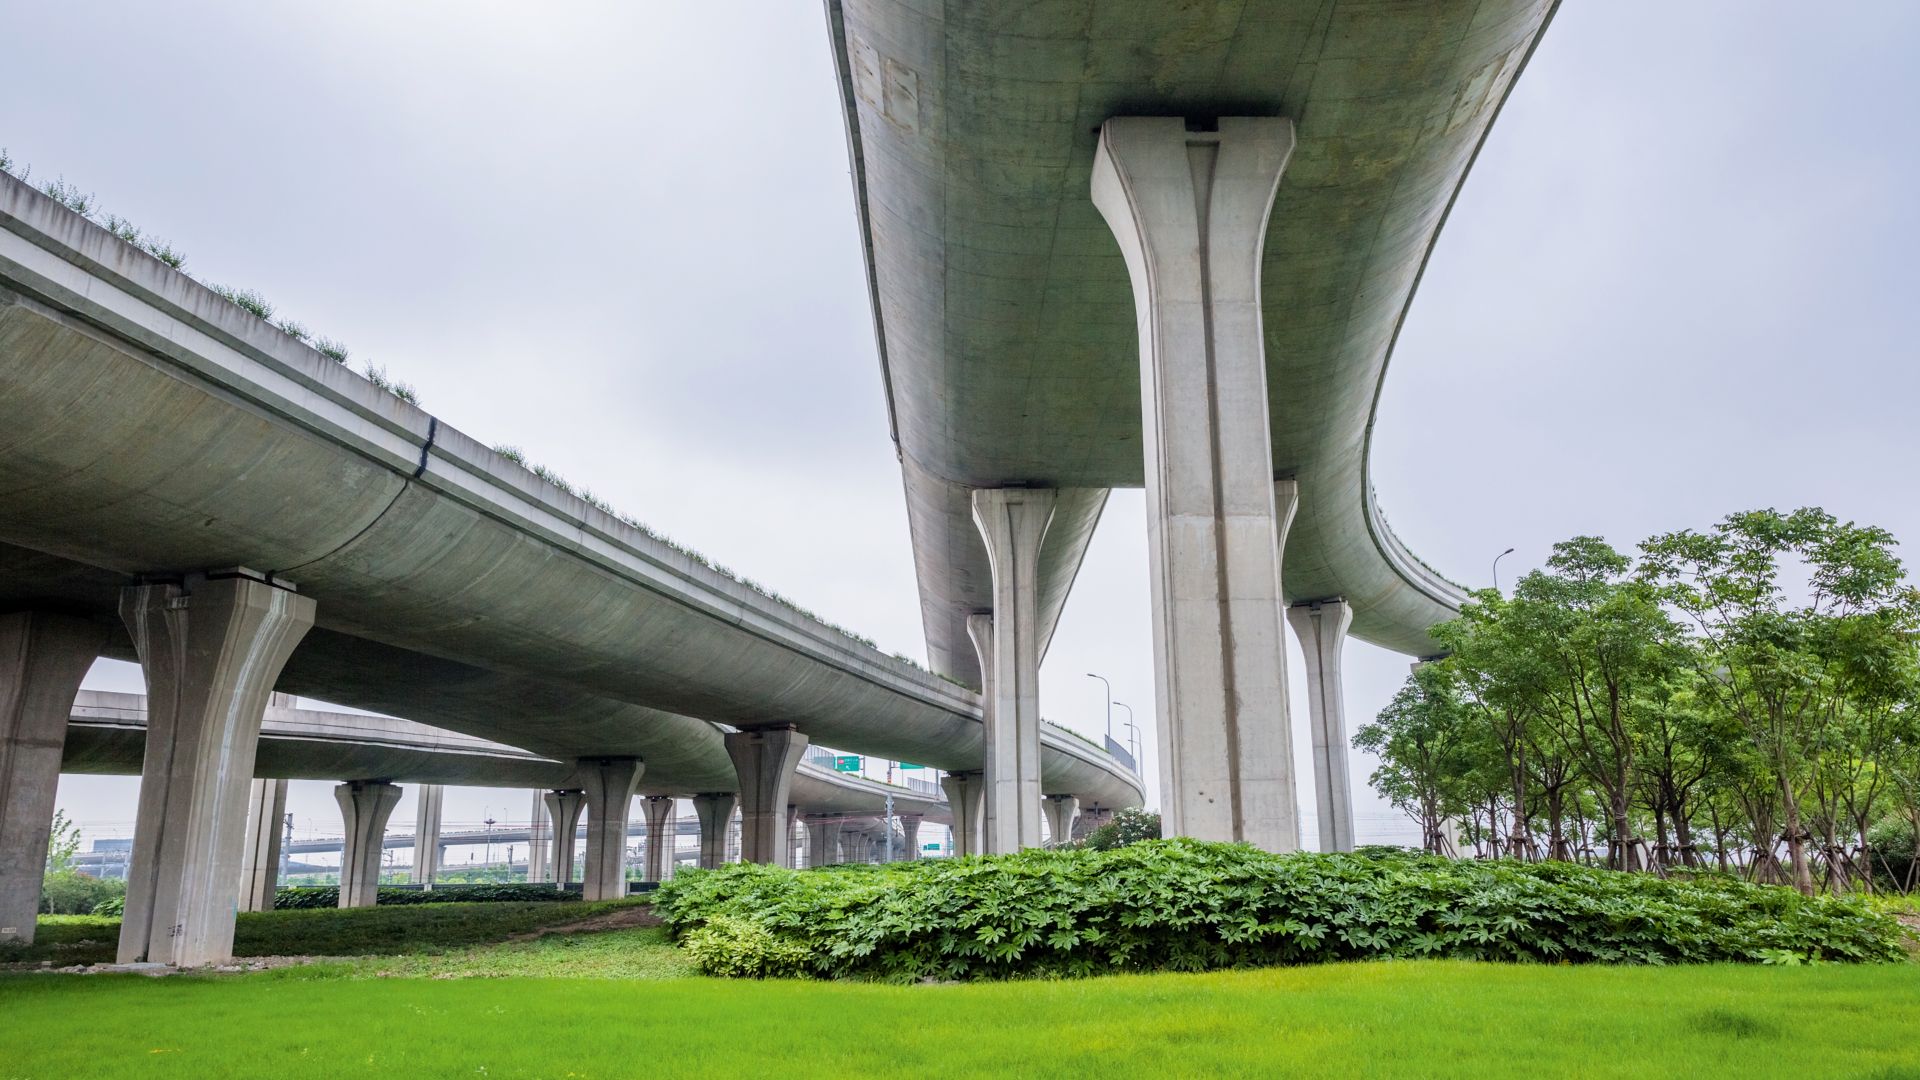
{"points": [[289, 897], [1190, 906]]}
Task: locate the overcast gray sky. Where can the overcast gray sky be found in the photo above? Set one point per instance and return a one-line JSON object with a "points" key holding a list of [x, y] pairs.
{"points": [[621, 236]]}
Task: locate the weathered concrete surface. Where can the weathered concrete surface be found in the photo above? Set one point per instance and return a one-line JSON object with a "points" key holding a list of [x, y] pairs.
{"points": [[660, 841], [451, 576], [426, 832], [1061, 810], [1189, 209], [609, 783], [211, 648], [1004, 315], [1321, 627], [966, 802], [43, 657], [266, 830], [1013, 523], [715, 811], [766, 759], [563, 810], [365, 807]]}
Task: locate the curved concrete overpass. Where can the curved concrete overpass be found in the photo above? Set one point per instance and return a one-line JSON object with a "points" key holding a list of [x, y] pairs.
{"points": [[107, 735], [1005, 317], [149, 427]]}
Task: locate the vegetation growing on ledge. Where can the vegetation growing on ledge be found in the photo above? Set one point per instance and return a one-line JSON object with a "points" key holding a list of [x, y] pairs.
{"points": [[1184, 905]]}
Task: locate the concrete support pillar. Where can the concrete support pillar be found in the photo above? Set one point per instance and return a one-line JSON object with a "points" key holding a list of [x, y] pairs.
{"points": [[365, 806], [610, 784], [266, 827], [211, 648], [426, 835], [966, 798], [660, 837], [823, 841], [42, 660], [1189, 209], [539, 842], [1012, 523], [1321, 627], [910, 831], [765, 759], [563, 809], [795, 842], [1061, 810], [715, 811], [1090, 819]]}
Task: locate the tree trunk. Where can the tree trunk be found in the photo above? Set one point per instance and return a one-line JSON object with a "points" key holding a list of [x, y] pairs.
{"points": [[1796, 840]]}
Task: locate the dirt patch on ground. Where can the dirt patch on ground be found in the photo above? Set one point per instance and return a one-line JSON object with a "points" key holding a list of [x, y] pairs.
{"points": [[625, 918]]}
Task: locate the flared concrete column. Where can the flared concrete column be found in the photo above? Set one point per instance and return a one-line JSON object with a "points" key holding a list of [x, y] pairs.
{"points": [[211, 648], [1061, 810], [764, 759], [1189, 209], [823, 841], [715, 811], [1013, 524], [910, 830], [266, 826], [539, 841], [43, 657], [426, 835], [1321, 627], [563, 809], [966, 798], [660, 837], [610, 784], [365, 807]]}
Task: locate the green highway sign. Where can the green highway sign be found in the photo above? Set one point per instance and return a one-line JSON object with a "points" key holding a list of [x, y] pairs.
{"points": [[929, 847], [911, 765], [846, 763]]}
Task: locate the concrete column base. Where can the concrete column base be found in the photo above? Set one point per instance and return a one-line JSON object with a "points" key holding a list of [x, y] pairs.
{"points": [[211, 648], [660, 837], [426, 835], [966, 798], [563, 810], [1013, 524], [266, 827], [1321, 627], [610, 784], [1189, 209], [1061, 810], [43, 657], [715, 811], [823, 841], [365, 807], [910, 832], [764, 759]]}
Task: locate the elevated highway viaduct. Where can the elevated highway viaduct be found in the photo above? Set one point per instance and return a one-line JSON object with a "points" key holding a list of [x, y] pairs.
{"points": [[185, 485], [107, 735], [1166, 246]]}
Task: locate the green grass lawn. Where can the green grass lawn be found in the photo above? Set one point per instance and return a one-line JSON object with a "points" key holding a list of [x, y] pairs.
{"points": [[436, 992], [415, 928]]}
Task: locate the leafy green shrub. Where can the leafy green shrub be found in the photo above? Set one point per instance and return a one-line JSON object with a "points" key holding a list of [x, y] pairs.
{"points": [[70, 892], [293, 897], [741, 948], [114, 906], [1129, 826], [1190, 906]]}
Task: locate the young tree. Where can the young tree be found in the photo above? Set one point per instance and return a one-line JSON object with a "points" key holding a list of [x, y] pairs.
{"points": [[1423, 739], [1783, 671]]}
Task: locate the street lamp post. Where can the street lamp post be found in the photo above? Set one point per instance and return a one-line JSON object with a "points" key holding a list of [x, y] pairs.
{"points": [[1132, 740], [1496, 568], [1109, 686]]}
